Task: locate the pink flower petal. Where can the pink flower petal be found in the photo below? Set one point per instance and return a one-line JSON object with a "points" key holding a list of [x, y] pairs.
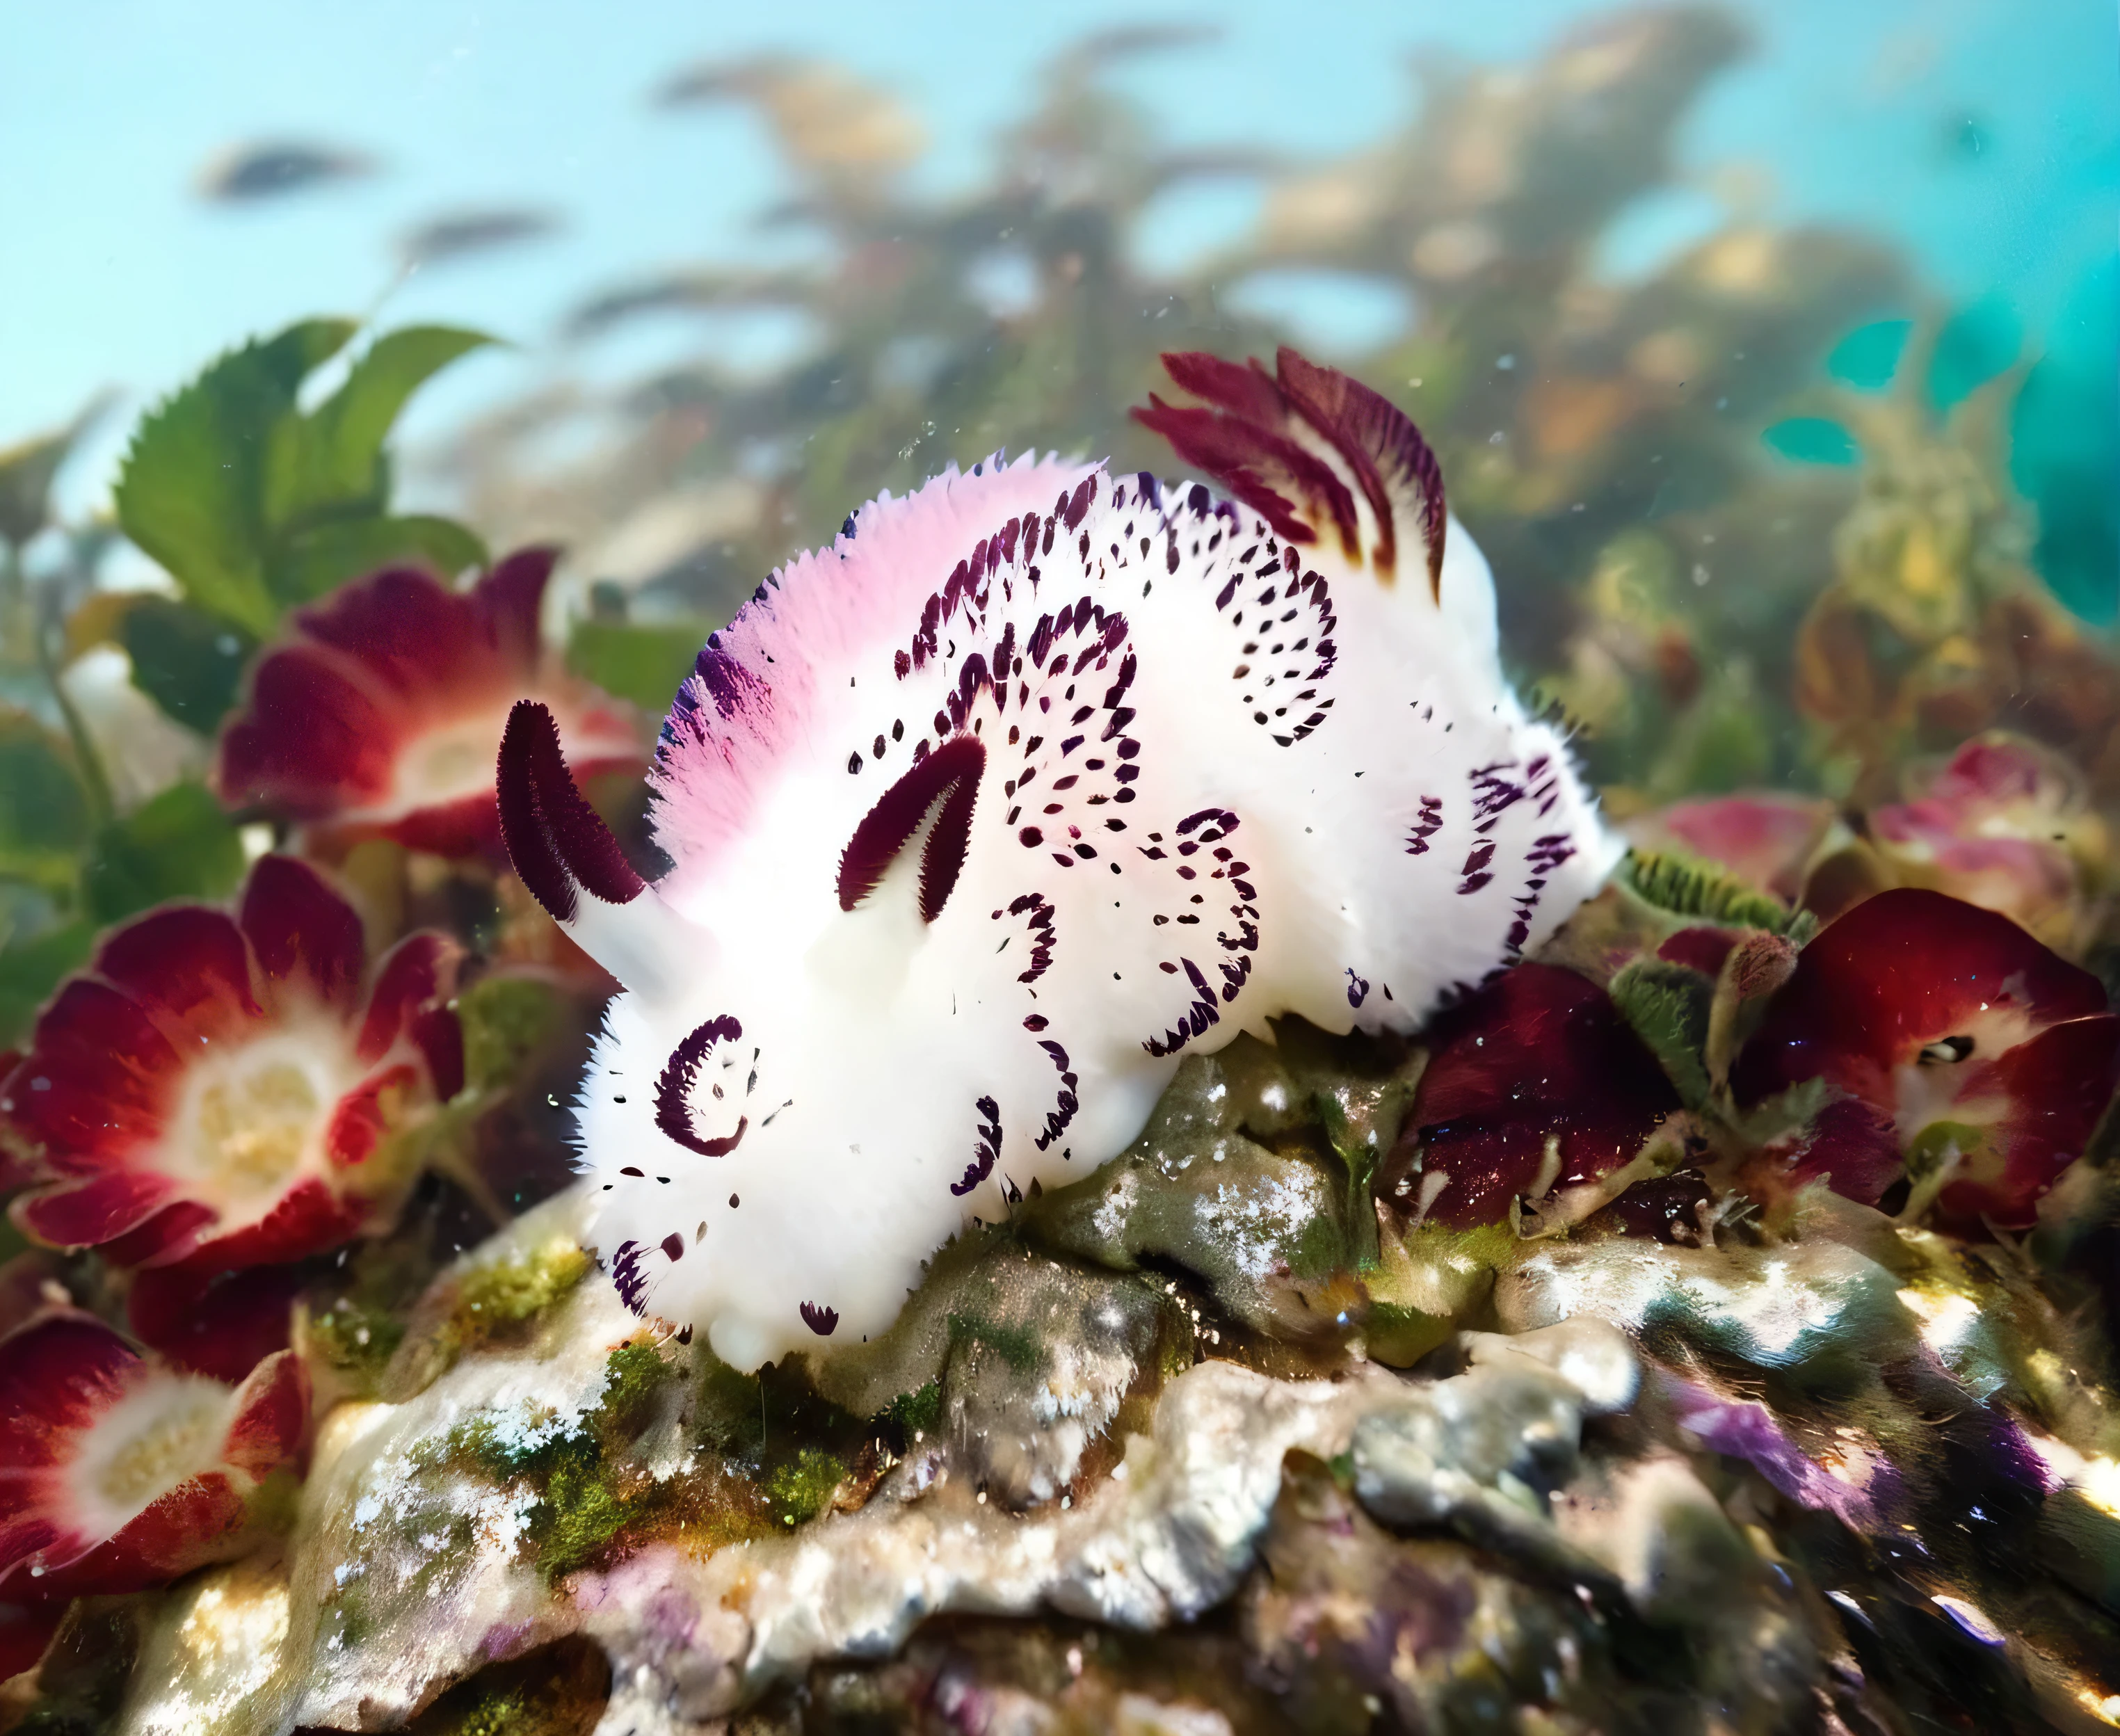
{"points": [[2058, 1085], [1764, 838]]}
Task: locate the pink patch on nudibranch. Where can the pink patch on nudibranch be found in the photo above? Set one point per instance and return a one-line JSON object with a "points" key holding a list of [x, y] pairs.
{"points": [[380, 713]]}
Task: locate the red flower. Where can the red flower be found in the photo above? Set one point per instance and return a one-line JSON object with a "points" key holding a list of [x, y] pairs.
{"points": [[2004, 823], [116, 1474], [1538, 1063], [222, 1091], [1765, 839], [383, 714], [1955, 1042]]}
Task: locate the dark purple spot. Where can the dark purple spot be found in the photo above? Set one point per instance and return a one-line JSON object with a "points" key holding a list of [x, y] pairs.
{"points": [[949, 775], [558, 843], [822, 1321], [673, 1090]]}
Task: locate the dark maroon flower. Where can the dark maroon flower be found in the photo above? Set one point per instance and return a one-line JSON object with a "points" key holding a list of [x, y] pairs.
{"points": [[233, 1091], [383, 713], [117, 1474], [1539, 1065], [1955, 1043]]}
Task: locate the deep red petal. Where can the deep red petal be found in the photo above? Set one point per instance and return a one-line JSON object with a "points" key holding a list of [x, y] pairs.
{"points": [[26, 1634], [467, 828], [360, 1119], [57, 1375], [1851, 1146], [415, 974], [97, 1085], [413, 638], [1904, 969], [170, 1235], [83, 1214], [306, 937], [438, 1034], [272, 1417], [508, 600], [2058, 1084], [309, 1219], [312, 740], [1539, 1054], [213, 1322], [1702, 949], [187, 967], [198, 1522]]}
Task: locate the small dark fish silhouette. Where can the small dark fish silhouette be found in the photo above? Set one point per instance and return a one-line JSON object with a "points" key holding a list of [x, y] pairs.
{"points": [[271, 169], [472, 232]]}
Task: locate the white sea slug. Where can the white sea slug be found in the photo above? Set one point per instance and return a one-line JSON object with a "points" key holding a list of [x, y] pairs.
{"points": [[1031, 783]]}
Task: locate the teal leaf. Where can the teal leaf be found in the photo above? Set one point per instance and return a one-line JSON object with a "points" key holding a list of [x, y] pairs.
{"points": [[1976, 344], [43, 811], [1868, 356], [178, 845], [313, 562], [186, 661], [645, 664], [1812, 439], [333, 460], [190, 493]]}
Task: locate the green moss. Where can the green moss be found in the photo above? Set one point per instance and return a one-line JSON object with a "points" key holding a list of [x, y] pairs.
{"points": [[801, 1489], [491, 1298], [916, 1412], [579, 1515], [357, 1341], [1017, 1346], [506, 1019]]}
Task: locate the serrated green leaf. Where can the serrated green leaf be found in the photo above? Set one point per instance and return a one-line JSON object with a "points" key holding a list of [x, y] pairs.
{"points": [[645, 664], [333, 460], [313, 562], [1668, 1006], [189, 663], [30, 970], [1687, 886], [190, 493], [178, 845], [43, 811]]}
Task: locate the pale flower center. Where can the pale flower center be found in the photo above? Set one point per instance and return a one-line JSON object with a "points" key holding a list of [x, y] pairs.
{"points": [[171, 1449], [452, 762], [251, 1130], [252, 1122]]}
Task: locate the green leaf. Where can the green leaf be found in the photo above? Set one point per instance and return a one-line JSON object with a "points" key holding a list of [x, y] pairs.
{"points": [[332, 459], [43, 812], [316, 562], [1668, 1006], [645, 664], [190, 493], [178, 845], [30, 970], [188, 662], [1686, 885]]}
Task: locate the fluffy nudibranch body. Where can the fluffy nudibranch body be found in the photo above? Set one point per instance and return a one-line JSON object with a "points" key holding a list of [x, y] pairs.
{"points": [[1032, 783]]}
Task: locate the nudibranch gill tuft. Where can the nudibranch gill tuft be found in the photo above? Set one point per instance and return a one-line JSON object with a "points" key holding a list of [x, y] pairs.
{"points": [[1029, 784]]}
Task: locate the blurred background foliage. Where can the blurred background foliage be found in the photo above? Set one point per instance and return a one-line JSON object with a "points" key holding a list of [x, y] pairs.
{"points": [[1776, 514]]}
